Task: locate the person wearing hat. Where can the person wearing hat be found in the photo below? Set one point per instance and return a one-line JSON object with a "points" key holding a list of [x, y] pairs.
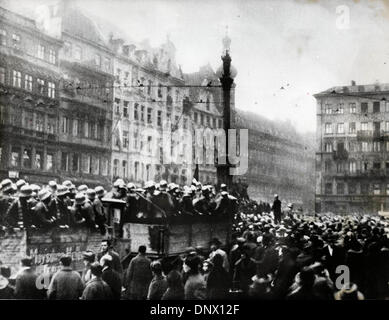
{"points": [[5, 199], [186, 203], [19, 214], [163, 202], [72, 190], [204, 204], [42, 217], [132, 207], [82, 212], [20, 183], [62, 205], [25, 282], [98, 211], [88, 257], [82, 188], [276, 208]]}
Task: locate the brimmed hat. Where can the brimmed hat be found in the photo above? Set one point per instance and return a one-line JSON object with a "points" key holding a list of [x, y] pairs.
{"points": [[91, 193], [69, 184], [25, 191], [82, 188], [163, 184], [80, 198], [119, 183], [99, 190], [44, 194], [62, 190], [35, 187], [52, 184], [149, 184], [131, 186], [6, 185], [20, 183]]}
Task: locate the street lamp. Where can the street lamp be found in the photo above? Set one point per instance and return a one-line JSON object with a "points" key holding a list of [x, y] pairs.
{"points": [[226, 73]]}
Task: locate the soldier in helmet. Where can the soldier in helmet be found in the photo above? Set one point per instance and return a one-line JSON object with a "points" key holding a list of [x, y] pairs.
{"points": [[20, 183], [42, 217], [5, 199], [82, 188], [132, 205], [163, 201], [146, 208], [19, 214], [83, 212], [72, 191], [98, 210], [63, 207], [204, 204]]}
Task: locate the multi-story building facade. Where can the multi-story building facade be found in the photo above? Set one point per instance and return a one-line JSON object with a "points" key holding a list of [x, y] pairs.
{"points": [[29, 100], [352, 156], [281, 161]]}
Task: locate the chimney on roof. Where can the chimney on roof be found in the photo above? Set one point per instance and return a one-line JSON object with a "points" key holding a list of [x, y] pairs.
{"points": [[353, 83]]}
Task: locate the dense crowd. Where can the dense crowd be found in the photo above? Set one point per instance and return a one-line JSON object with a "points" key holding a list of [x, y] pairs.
{"points": [[274, 253]]}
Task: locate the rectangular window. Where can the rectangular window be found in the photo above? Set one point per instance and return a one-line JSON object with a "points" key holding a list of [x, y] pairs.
{"points": [[136, 111], [107, 64], [353, 108], [15, 155], [328, 147], [352, 127], [27, 160], [51, 90], [41, 52], [125, 139], [195, 117], [142, 115], [136, 140], [28, 120], [75, 162], [125, 109], [117, 106], [28, 82], [364, 126], [328, 109], [64, 161], [3, 37], [17, 79], [52, 56], [2, 75], [124, 168], [185, 123], [340, 128], [40, 122], [365, 146], [340, 108], [97, 60], [328, 128], [376, 146], [41, 86], [340, 188], [38, 163], [75, 128], [51, 124], [377, 189], [201, 119], [77, 53], [352, 188], [149, 116], [65, 125], [376, 106], [353, 167], [16, 41], [86, 129], [364, 188], [115, 167], [50, 162], [364, 107], [104, 167], [339, 167], [159, 118]]}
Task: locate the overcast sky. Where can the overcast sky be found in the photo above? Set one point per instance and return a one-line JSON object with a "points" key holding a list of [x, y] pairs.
{"points": [[303, 46]]}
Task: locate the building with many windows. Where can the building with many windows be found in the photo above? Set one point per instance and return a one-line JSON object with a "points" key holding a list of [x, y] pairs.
{"points": [[29, 100], [352, 156], [281, 161]]}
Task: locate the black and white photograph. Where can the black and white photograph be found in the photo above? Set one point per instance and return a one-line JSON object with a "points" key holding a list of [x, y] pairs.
{"points": [[220, 150]]}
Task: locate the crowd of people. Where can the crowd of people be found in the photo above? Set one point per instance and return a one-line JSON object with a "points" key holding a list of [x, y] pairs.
{"points": [[273, 253]]}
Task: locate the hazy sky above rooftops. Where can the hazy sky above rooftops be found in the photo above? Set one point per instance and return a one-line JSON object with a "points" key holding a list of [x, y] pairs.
{"points": [[303, 46]]}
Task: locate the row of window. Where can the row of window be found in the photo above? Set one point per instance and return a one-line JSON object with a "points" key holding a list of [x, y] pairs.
{"points": [[352, 166], [82, 128], [364, 126], [27, 82], [44, 53], [352, 108], [356, 146], [352, 188]]}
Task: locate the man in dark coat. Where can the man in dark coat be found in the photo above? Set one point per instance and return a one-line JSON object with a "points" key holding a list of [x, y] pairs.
{"points": [[138, 276], [19, 214], [97, 288], [277, 209], [106, 248], [66, 284], [62, 206], [42, 217], [25, 286], [83, 212], [5, 199], [111, 277], [98, 210], [163, 202]]}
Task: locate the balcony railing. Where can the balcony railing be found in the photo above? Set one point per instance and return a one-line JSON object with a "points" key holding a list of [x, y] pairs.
{"points": [[372, 134]]}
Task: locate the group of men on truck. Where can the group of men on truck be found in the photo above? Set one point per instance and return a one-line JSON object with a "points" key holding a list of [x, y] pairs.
{"points": [[24, 205]]}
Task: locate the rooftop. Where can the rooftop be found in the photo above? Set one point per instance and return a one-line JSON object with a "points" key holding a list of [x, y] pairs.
{"points": [[355, 89]]}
